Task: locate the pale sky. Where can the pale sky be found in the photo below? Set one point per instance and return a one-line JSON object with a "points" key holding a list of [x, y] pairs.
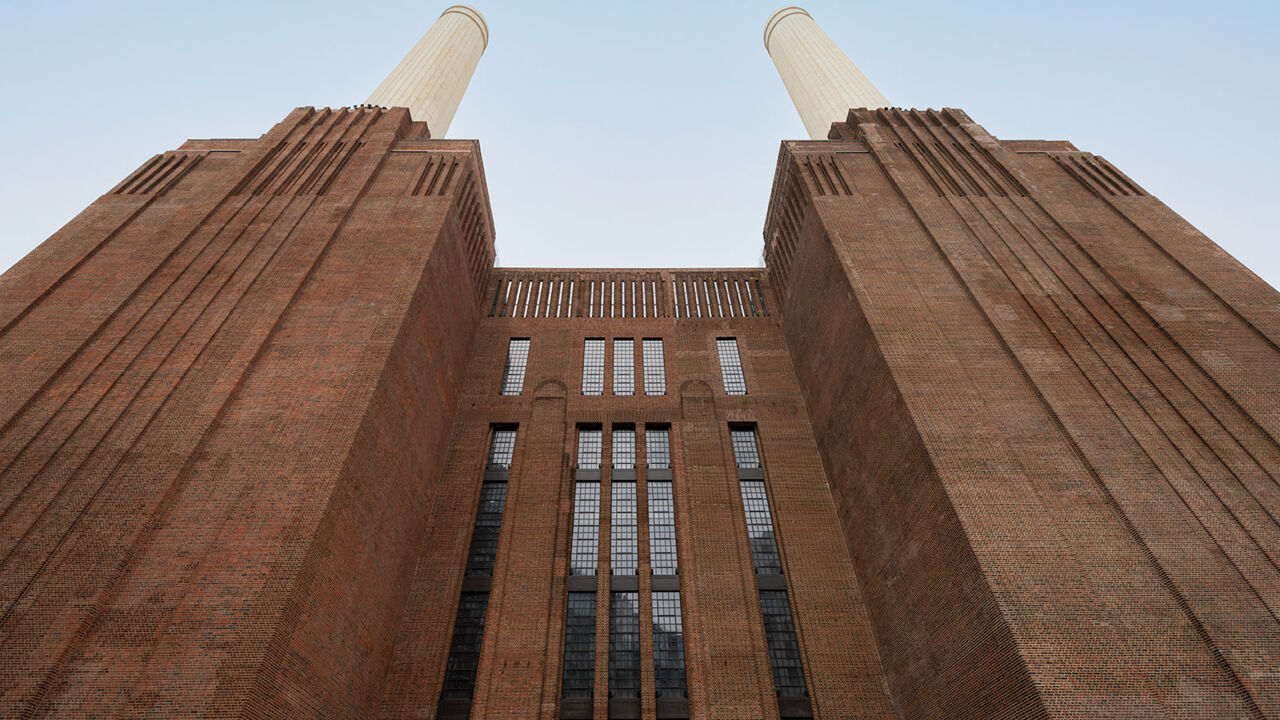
{"points": [[645, 134]]}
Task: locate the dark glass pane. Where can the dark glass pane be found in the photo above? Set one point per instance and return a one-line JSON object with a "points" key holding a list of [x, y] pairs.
{"points": [[501, 448], [668, 646], [464, 653], [624, 645], [579, 646], [784, 652], [662, 530], [764, 546], [583, 556], [744, 447], [484, 539]]}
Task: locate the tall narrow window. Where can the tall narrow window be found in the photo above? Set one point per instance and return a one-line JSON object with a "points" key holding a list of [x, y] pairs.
{"points": [[484, 539], [764, 547], [655, 372], [784, 652], [624, 645], [579, 646], [593, 367], [744, 447], [662, 530], [589, 448], [735, 383], [623, 548], [501, 448], [517, 359], [624, 366], [657, 447], [624, 447], [464, 651], [583, 554], [668, 646]]}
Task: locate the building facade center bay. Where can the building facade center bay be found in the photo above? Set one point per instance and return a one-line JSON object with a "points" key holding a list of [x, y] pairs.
{"points": [[993, 434]]}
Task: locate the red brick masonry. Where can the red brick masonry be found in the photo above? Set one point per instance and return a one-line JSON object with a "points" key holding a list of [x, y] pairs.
{"points": [[1018, 420]]}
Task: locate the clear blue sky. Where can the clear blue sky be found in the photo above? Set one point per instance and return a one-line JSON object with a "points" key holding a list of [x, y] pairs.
{"points": [[645, 134]]}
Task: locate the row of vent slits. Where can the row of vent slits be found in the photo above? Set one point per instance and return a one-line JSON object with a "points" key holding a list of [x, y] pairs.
{"points": [[161, 172], [649, 295], [435, 177], [475, 233], [961, 169], [298, 168], [1097, 174], [780, 251], [826, 175]]}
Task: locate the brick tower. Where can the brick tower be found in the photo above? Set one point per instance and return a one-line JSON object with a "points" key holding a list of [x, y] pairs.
{"points": [[993, 435]]}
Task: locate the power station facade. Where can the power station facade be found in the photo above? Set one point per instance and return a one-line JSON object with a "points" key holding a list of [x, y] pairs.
{"points": [[993, 434]]}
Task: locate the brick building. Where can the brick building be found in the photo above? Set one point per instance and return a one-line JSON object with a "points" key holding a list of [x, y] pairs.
{"points": [[994, 434]]}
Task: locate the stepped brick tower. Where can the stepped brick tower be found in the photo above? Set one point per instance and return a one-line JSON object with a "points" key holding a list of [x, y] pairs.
{"points": [[992, 435]]}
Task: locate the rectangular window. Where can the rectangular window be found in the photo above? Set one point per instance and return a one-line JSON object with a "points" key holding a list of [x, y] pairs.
{"points": [[624, 447], [655, 373], [464, 652], [593, 367], [484, 539], [735, 383], [668, 646], [657, 447], [784, 652], [764, 547], [579, 646], [624, 366], [623, 547], [501, 447], [624, 645], [583, 556], [589, 442], [662, 530], [517, 359], [744, 447]]}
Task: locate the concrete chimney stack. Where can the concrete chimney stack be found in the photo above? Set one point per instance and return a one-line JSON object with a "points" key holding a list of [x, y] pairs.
{"points": [[823, 82], [432, 78]]}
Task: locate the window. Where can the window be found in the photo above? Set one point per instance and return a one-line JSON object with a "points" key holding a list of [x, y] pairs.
{"points": [[764, 547], [784, 652], [464, 651], [579, 646], [668, 646], [657, 447], [744, 447], [484, 539], [735, 383], [517, 359], [655, 374], [589, 441], [501, 447], [662, 530], [624, 645], [593, 367], [624, 447], [586, 529], [624, 366], [623, 547]]}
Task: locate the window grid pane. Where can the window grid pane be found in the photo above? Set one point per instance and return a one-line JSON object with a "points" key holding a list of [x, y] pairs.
{"points": [[517, 360], [583, 556], [623, 547], [589, 448], [657, 447], [668, 646], [764, 547], [735, 383], [624, 366], [501, 448], [784, 652], [579, 646], [624, 645], [593, 367], [655, 374], [464, 652], [624, 448], [662, 530], [484, 539], [744, 447]]}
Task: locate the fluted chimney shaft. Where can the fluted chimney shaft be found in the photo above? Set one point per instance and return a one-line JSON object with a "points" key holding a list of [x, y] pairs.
{"points": [[432, 78], [823, 82]]}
